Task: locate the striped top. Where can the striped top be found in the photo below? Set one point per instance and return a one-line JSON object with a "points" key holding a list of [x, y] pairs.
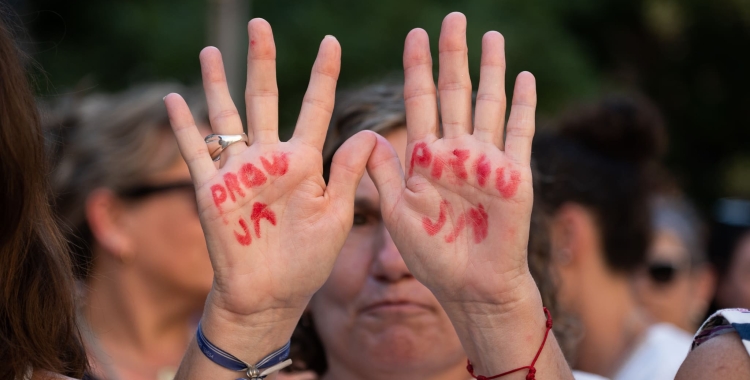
{"points": [[725, 321]]}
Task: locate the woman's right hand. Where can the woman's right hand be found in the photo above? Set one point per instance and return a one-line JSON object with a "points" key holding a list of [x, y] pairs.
{"points": [[273, 227]]}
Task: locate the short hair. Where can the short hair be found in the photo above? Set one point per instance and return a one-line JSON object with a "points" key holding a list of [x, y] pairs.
{"points": [[378, 107], [112, 141]]}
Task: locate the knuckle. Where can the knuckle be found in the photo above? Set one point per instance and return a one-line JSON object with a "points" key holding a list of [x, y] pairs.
{"points": [[224, 114]]}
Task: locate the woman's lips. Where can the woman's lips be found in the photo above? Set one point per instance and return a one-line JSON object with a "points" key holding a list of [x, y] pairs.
{"points": [[395, 307]]}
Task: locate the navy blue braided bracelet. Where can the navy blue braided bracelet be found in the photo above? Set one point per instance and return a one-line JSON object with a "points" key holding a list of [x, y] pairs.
{"points": [[271, 363]]}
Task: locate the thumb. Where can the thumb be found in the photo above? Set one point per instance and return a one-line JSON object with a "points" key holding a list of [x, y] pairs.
{"points": [[347, 169], [385, 170]]}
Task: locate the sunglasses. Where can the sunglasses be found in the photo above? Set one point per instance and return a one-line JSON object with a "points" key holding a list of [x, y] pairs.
{"points": [[663, 273], [144, 191]]}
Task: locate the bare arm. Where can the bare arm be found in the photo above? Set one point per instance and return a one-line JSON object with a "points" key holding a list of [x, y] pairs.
{"points": [[720, 358]]}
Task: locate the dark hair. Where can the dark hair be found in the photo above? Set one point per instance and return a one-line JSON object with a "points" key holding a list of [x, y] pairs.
{"points": [[604, 156], [37, 308], [380, 108]]}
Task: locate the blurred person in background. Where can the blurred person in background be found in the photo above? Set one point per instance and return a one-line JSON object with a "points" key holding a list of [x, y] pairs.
{"points": [[594, 179], [677, 283], [729, 252], [334, 337], [139, 250]]}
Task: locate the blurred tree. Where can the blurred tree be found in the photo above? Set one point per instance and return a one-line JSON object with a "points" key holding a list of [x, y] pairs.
{"points": [[689, 56]]}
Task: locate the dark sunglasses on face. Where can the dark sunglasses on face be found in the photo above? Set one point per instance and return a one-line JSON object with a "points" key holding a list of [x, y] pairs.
{"points": [[663, 273], [144, 191]]}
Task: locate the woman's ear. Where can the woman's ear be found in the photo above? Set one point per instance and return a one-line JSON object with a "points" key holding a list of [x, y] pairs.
{"points": [[574, 234], [562, 236], [104, 212]]}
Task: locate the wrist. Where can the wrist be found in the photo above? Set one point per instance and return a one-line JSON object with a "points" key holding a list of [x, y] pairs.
{"points": [[500, 336], [521, 294], [249, 337]]}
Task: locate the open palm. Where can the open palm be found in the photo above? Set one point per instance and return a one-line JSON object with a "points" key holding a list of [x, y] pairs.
{"points": [[265, 209], [460, 214]]}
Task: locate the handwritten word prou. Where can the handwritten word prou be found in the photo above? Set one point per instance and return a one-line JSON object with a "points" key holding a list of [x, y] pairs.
{"points": [[248, 177], [506, 181]]}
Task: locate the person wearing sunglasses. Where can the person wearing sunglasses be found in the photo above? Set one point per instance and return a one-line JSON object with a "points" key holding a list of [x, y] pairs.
{"points": [[677, 282], [729, 251], [139, 251], [594, 176]]}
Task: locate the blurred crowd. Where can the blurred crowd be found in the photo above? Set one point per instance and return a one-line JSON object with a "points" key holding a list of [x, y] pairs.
{"points": [[627, 265]]}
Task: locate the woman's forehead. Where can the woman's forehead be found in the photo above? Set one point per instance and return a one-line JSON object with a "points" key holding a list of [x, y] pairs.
{"points": [[366, 191]]}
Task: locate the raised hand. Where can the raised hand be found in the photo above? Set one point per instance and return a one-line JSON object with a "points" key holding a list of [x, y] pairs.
{"points": [[272, 226], [460, 214]]}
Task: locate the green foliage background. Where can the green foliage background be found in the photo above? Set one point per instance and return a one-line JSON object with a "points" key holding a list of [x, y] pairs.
{"points": [[689, 56]]}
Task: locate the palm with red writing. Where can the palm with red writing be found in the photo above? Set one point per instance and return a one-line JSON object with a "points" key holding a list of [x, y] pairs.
{"points": [[460, 214], [272, 226]]}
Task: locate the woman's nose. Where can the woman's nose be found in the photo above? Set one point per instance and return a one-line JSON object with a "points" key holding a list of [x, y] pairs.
{"points": [[388, 265]]}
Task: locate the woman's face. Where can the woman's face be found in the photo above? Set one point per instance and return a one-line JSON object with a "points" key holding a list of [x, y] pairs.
{"points": [[670, 287], [170, 250], [372, 313], [734, 290]]}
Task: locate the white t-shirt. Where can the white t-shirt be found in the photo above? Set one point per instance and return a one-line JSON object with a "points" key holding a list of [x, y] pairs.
{"points": [[578, 375], [659, 355]]}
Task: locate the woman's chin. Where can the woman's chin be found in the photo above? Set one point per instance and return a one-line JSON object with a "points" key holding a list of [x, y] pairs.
{"points": [[401, 346]]}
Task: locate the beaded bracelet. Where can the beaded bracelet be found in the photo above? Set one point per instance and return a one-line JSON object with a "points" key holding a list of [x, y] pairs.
{"points": [[273, 362], [532, 371]]}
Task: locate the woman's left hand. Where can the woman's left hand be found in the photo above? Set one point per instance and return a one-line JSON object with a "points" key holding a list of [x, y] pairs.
{"points": [[460, 216]]}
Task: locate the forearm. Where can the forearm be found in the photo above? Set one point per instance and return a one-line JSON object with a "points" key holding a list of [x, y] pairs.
{"points": [[500, 338], [249, 338]]}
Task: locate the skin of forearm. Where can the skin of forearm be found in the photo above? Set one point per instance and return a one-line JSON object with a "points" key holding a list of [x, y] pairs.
{"points": [[499, 338]]}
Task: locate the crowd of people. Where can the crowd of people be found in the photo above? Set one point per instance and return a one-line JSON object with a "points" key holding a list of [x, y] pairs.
{"points": [[393, 236]]}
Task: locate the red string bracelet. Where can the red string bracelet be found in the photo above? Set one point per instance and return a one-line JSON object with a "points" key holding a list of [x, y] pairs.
{"points": [[530, 367]]}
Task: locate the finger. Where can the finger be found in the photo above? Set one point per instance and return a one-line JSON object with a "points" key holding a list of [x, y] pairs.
{"points": [[420, 95], [191, 144], [317, 105], [385, 170], [489, 115], [454, 83], [347, 168], [520, 129], [221, 110], [261, 92]]}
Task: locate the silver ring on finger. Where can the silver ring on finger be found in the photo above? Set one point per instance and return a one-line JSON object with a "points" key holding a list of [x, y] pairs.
{"points": [[217, 143]]}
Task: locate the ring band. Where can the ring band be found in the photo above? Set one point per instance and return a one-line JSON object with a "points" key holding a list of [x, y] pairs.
{"points": [[217, 143]]}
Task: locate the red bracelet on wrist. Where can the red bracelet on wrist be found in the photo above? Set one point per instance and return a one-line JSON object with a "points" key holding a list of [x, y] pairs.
{"points": [[530, 367]]}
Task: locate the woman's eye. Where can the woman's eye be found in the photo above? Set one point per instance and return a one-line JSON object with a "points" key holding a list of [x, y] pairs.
{"points": [[359, 219]]}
